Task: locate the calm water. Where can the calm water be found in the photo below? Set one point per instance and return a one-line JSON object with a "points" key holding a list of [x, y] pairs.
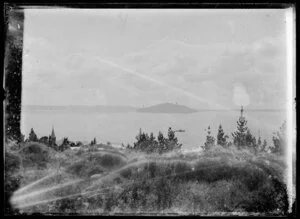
{"points": [[123, 127]]}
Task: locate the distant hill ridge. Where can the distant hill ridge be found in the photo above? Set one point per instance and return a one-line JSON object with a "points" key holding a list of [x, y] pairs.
{"points": [[167, 108]]}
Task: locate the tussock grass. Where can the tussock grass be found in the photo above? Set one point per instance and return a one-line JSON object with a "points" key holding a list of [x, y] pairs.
{"points": [[215, 181]]}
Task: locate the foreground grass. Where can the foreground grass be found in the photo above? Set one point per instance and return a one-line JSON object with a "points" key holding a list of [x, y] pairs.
{"points": [[216, 182]]}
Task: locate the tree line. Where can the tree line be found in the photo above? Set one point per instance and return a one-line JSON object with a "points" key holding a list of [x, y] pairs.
{"points": [[242, 139]]}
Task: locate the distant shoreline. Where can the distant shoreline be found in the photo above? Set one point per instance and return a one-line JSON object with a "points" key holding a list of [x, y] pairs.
{"points": [[132, 108]]}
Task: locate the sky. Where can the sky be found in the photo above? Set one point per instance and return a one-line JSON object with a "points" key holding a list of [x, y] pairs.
{"points": [[217, 58]]}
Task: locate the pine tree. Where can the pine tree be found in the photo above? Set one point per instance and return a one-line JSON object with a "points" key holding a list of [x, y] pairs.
{"points": [[264, 146], [239, 136], [152, 138], [138, 137], [259, 142], [221, 137], [22, 138], [160, 138], [250, 141], [32, 136], [210, 140], [279, 140], [161, 142], [171, 135], [65, 144]]}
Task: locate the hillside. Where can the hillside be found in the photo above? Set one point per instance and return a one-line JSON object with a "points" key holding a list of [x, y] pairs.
{"points": [[82, 182], [167, 108]]}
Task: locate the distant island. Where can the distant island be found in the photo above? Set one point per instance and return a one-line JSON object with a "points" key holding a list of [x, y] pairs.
{"points": [[167, 108]]}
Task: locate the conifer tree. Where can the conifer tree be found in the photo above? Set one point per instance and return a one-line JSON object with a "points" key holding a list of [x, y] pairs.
{"points": [[171, 135], [250, 142], [210, 140], [239, 136], [32, 136], [221, 137], [65, 144], [160, 138], [161, 142], [152, 138], [259, 142], [279, 140], [264, 146]]}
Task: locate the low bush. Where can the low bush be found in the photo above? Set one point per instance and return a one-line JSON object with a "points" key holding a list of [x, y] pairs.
{"points": [[35, 154]]}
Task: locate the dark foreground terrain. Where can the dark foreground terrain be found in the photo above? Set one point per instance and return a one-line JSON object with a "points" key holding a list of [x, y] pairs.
{"points": [[102, 180]]}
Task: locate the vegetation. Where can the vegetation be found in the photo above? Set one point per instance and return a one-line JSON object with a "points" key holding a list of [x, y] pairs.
{"points": [[279, 140], [152, 176], [221, 179], [210, 140], [222, 138], [149, 144]]}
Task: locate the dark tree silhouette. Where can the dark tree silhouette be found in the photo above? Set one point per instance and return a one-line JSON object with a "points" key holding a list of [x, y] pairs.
{"points": [[210, 140], [32, 136], [221, 137], [279, 140], [239, 136]]}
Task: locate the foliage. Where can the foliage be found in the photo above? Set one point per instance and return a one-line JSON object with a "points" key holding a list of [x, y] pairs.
{"points": [[239, 136], [35, 154], [11, 180], [148, 143], [32, 136], [221, 137], [210, 140], [94, 141], [65, 145], [279, 140], [44, 140]]}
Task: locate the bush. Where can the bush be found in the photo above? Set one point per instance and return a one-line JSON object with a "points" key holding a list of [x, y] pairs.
{"points": [[11, 182], [36, 155], [95, 164]]}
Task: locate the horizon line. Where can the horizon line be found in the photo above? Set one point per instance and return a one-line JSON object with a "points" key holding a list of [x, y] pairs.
{"points": [[199, 109]]}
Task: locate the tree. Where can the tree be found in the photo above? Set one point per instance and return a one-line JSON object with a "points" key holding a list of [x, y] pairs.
{"points": [[65, 144], [264, 147], [147, 143], [259, 143], [279, 140], [250, 142], [32, 136], [79, 143], [44, 140], [221, 137], [171, 135], [161, 138], [161, 142], [239, 136], [22, 138], [210, 140], [94, 141], [152, 138]]}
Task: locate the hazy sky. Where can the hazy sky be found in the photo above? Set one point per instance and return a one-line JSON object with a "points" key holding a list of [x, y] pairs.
{"points": [[142, 57]]}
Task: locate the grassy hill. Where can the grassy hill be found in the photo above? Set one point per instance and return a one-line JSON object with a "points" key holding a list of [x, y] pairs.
{"points": [[92, 182]]}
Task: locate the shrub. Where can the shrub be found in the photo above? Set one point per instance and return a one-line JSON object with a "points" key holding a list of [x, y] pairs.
{"points": [[35, 155], [11, 182]]}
